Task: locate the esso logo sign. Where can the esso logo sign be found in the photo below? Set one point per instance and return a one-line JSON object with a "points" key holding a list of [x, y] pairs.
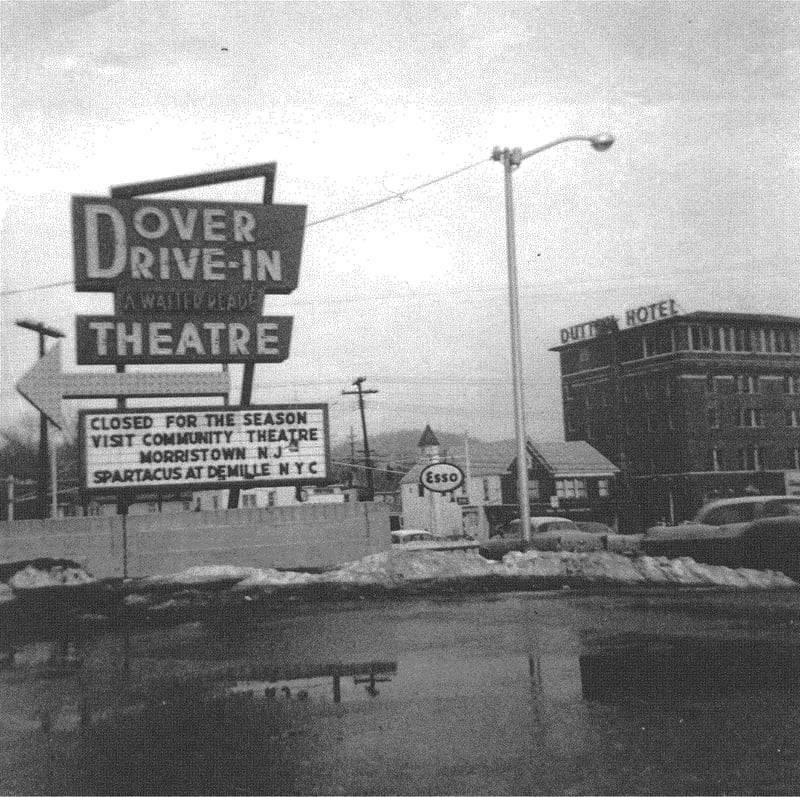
{"points": [[441, 477]]}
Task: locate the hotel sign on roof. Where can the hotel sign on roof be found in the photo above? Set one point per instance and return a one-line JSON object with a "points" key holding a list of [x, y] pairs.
{"points": [[634, 317]]}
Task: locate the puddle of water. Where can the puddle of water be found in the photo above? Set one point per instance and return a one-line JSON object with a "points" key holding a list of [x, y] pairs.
{"points": [[675, 668], [540, 707]]}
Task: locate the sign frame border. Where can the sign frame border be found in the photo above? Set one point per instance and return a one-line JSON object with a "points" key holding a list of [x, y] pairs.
{"points": [[170, 487]]}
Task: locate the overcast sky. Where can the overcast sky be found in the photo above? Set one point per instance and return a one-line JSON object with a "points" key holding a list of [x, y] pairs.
{"points": [[697, 200]]}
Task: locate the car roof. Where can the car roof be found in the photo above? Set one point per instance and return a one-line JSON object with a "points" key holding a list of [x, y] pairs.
{"points": [[750, 499], [542, 518], [407, 532]]}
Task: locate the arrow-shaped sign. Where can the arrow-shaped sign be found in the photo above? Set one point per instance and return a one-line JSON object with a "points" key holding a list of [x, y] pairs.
{"points": [[45, 385]]}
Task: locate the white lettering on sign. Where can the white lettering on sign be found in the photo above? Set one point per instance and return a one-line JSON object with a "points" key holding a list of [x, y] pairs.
{"points": [[164, 338], [108, 340], [174, 262], [186, 447]]}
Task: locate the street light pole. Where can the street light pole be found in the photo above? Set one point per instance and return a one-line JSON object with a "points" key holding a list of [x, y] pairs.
{"points": [[511, 159]]}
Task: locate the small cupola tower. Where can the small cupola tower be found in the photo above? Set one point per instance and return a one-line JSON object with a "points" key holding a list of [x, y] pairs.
{"points": [[429, 445]]}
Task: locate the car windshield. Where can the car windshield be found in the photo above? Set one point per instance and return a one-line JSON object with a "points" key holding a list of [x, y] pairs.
{"points": [[782, 508], [556, 525], [734, 513]]}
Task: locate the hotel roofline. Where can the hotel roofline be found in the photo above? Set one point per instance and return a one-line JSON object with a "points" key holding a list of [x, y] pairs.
{"points": [[710, 316]]}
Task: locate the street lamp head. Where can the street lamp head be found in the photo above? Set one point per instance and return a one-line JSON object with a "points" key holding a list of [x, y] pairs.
{"points": [[602, 141]]}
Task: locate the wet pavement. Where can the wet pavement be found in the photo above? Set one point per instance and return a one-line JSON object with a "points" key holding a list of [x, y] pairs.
{"points": [[649, 692]]}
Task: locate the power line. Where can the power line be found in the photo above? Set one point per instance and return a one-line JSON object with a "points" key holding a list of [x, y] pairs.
{"points": [[350, 212]]}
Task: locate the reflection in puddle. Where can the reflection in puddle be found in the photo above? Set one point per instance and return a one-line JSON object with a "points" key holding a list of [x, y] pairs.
{"points": [[677, 667], [335, 683]]}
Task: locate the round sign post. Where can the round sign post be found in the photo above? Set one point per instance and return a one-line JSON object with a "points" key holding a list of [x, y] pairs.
{"points": [[441, 477]]}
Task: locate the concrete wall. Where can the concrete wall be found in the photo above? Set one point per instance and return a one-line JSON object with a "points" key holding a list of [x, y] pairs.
{"points": [[310, 536], [96, 543]]}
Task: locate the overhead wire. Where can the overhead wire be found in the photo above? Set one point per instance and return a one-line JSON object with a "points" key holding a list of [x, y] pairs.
{"points": [[333, 217]]}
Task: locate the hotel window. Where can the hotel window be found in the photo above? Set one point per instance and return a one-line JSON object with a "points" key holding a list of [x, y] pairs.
{"points": [[583, 355], [744, 341], [533, 489], [783, 341], [700, 337], [602, 488], [757, 340], [746, 384], [716, 459], [791, 385], [793, 417], [726, 339], [751, 416], [751, 458], [713, 417], [794, 456]]}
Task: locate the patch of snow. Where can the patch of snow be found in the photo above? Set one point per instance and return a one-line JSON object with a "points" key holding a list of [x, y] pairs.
{"points": [[271, 577], [31, 577], [593, 567], [202, 574]]}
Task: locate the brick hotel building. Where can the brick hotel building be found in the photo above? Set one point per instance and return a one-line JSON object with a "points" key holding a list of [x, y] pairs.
{"points": [[689, 407]]}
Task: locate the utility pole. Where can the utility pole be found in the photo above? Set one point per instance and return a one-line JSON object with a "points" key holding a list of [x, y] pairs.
{"points": [[360, 392], [43, 332], [352, 456]]}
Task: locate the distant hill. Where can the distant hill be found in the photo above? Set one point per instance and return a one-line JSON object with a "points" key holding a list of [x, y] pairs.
{"points": [[400, 447]]}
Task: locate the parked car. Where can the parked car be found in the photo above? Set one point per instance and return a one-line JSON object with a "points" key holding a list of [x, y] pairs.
{"points": [[421, 539], [761, 532], [547, 534], [403, 536]]}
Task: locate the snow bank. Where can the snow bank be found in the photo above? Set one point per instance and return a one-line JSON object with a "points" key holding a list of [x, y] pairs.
{"points": [[271, 577], [32, 577], [595, 566], [202, 574], [396, 568]]}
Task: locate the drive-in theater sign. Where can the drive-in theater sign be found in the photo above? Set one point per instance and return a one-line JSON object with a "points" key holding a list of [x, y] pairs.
{"points": [[189, 280]]}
